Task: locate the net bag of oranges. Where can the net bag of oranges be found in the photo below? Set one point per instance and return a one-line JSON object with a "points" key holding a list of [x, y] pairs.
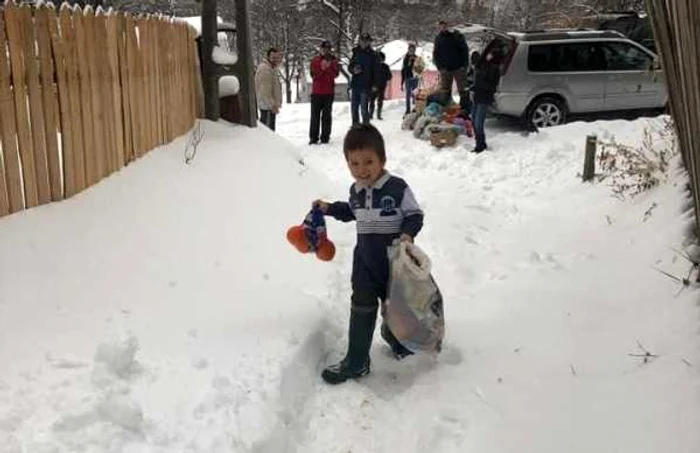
{"points": [[311, 236]]}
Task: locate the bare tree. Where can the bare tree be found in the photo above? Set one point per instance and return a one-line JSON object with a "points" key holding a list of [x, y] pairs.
{"points": [[283, 24]]}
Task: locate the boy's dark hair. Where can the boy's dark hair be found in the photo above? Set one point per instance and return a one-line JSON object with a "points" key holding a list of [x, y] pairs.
{"points": [[382, 56], [271, 50], [364, 136]]}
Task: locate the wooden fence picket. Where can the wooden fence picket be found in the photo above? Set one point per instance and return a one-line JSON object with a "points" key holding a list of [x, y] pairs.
{"points": [[74, 93], [86, 109], [36, 110], [13, 24], [12, 181], [49, 99], [83, 93], [125, 84], [115, 98]]}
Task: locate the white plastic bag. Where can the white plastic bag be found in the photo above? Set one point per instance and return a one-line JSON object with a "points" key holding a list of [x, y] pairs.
{"points": [[414, 306]]}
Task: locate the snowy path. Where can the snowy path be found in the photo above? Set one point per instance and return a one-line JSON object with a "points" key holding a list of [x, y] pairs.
{"points": [[536, 357], [163, 310]]}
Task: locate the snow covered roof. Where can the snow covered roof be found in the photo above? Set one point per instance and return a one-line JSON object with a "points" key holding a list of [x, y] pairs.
{"points": [[196, 22], [474, 30], [395, 51]]}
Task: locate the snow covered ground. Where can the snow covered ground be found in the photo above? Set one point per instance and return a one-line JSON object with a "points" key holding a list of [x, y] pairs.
{"points": [[163, 310]]}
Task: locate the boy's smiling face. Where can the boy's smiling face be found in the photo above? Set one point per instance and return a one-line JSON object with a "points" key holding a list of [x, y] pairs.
{"points": [[365, 166]]}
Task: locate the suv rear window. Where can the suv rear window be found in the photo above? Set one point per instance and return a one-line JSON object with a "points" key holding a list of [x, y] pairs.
{"points": [[565, 57]]}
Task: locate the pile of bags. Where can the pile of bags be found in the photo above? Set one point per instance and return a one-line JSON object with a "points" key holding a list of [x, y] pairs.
{"points": [[433, 120]]}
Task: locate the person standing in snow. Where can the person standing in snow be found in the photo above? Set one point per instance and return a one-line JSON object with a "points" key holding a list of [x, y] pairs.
{"points": [[385, 210], [324, 69], [365, 67], [486, 78], [471, 75], [411, 70], [451, 57], [382, 81], [268, 87]]}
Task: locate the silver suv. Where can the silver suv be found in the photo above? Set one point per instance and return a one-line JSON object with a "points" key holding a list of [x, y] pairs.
{"points": [[550, 74]]}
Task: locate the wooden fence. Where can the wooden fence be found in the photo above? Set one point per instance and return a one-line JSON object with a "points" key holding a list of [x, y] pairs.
{"points": [[83, 93], [677, 33]]}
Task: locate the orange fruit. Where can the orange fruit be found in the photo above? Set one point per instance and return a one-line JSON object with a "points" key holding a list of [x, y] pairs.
{"points": [[325, 251], [296, 237]]}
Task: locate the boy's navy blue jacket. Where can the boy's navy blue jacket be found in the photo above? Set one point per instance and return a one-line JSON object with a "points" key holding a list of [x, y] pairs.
{"points": [[368, 61], [383, 212]]}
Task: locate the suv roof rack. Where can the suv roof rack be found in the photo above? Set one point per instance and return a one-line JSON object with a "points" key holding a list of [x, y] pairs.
{"points": [[564, 34]]}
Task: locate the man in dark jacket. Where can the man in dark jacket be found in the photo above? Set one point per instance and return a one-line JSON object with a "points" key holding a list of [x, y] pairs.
{"points": [[364, 67], [451, 57], [486, 78], [382, 81], [324, 70]]}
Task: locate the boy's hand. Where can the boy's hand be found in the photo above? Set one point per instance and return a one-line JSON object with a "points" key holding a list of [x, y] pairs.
{"points": [[406, 238], [321, 205]]}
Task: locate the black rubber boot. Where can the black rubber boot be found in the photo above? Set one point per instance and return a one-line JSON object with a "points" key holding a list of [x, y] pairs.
{"points": [[480, 143], [356, 362], [399, 350]]}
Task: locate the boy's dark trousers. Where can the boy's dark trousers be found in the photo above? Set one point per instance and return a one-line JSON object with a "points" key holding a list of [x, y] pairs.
{"points": [[378, 98], [363, 318], [267, 117], [321, 117]]}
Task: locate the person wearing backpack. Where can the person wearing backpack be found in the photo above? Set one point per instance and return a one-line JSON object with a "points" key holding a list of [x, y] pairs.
{"points": [[451, 57]]}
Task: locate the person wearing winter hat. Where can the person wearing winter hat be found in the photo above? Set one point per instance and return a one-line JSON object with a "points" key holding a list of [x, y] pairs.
{"points": [[451, 57], [365, 69], [377, 98], [324, 69]]}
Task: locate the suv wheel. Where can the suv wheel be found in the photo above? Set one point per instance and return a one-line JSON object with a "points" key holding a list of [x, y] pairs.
{"points": [[546, 112]]}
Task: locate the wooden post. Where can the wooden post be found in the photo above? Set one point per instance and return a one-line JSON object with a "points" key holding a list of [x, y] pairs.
{"points": [[244, 66], [243, 69], [210, 76], [589, 162]]}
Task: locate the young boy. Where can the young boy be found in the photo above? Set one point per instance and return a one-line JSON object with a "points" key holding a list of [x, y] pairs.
{"points": [[385, 209]]}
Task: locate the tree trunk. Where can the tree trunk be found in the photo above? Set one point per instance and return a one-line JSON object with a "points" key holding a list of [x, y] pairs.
{"points": [[288, 87]]}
